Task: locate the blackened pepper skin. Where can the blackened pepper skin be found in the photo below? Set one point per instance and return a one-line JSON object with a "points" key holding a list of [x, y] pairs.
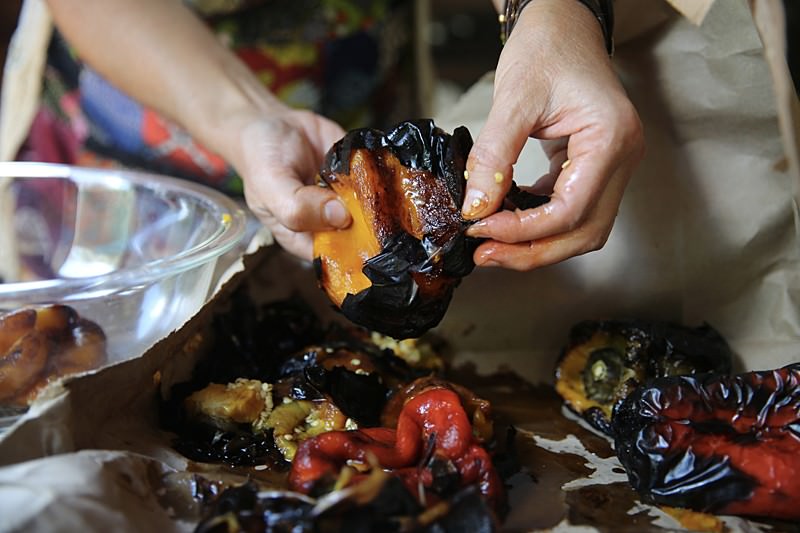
{"points": [[713, 443], [394, 269], [605, 360]]}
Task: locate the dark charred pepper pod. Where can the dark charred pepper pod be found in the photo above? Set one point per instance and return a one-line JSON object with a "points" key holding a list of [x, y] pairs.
{"points": [[379, 503], [394, 269], [720, 444], [604, 361]]}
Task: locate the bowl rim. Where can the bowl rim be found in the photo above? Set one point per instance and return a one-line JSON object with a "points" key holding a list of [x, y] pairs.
{"points": [[228, 211]]}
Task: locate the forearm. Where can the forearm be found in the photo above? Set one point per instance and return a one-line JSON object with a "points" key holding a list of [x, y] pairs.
{"points": [[162, 55]]}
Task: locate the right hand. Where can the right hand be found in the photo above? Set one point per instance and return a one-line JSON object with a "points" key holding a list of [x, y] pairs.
{"points": [[554, 82]]}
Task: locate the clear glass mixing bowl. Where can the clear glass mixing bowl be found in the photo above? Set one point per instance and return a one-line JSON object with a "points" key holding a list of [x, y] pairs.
{"points": [[133, 252]]}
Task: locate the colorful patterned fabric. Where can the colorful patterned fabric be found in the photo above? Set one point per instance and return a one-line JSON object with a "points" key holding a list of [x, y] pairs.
{"points": [[339, 58]]}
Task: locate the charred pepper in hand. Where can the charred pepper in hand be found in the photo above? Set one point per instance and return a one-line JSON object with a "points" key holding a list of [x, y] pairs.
{"points": [[394, 269]]}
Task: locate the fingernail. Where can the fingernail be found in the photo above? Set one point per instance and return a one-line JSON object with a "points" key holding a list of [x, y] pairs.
{"points": [[498, 177], [336, 214], [466, 175], [485, 258], [565, 164], [478, 229], [475, 203]]}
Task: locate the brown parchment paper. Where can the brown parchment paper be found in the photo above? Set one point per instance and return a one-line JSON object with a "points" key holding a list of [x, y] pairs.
{"points": [[707, 232]]}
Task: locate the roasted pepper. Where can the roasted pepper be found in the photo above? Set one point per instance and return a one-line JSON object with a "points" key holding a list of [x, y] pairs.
{"points": [[435, 416], [714, 443], [394, 269], [42, 343], [604, 361]]}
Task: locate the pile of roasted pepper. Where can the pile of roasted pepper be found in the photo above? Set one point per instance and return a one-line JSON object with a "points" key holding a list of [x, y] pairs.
{"points": [[688, 433], [335, 409]]}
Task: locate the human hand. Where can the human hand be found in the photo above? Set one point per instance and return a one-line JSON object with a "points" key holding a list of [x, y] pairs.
{"points": [[280, 154], [164, 56], [553, 82]]}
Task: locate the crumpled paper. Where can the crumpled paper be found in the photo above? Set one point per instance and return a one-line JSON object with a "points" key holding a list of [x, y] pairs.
{"points": [[91, 490]]}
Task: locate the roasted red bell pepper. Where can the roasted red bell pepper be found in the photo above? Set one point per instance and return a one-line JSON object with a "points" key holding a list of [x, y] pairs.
{"points": [[435, 415], [714, 443]]}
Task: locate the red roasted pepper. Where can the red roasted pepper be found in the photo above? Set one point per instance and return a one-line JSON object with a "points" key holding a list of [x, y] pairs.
{"points": [[722, 444], [435, 414]]}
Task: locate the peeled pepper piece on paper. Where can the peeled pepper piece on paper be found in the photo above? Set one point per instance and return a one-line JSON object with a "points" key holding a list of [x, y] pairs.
{"points": [[714, 443]]}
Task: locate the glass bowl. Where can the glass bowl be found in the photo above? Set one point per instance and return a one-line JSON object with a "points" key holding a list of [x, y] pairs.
{"points": [[133, 253]]}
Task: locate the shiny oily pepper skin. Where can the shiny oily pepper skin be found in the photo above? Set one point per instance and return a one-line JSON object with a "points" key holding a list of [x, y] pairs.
{"points": [[433, 416], [713, 443], [395, 268], [604, 361]]}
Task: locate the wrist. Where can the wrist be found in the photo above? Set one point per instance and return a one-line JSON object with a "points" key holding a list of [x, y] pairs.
{"points": [[556, 25], [601, 11], [231, 120]]}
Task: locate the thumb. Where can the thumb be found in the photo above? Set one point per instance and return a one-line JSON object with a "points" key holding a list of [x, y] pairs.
{"points": [[490, 163], [296, 206]]}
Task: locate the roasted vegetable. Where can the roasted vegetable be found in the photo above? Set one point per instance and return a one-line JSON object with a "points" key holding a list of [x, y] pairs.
{"points": [[432, 424], [245, 401], [478, 410], [394, 269], [604, 361], [312, 396], [341, 381], [720, 444], [380, 503], [252, 341], [42, 343]]}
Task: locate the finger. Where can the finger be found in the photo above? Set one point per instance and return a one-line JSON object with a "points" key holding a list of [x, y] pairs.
{"points": [[295, 206], [558, 160], [321, 132], [537, 253], [530, 255], [544, 185], [575, 191], [534, 254], [555, 149], [298, 244], [556, 152], [491, 160]]}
